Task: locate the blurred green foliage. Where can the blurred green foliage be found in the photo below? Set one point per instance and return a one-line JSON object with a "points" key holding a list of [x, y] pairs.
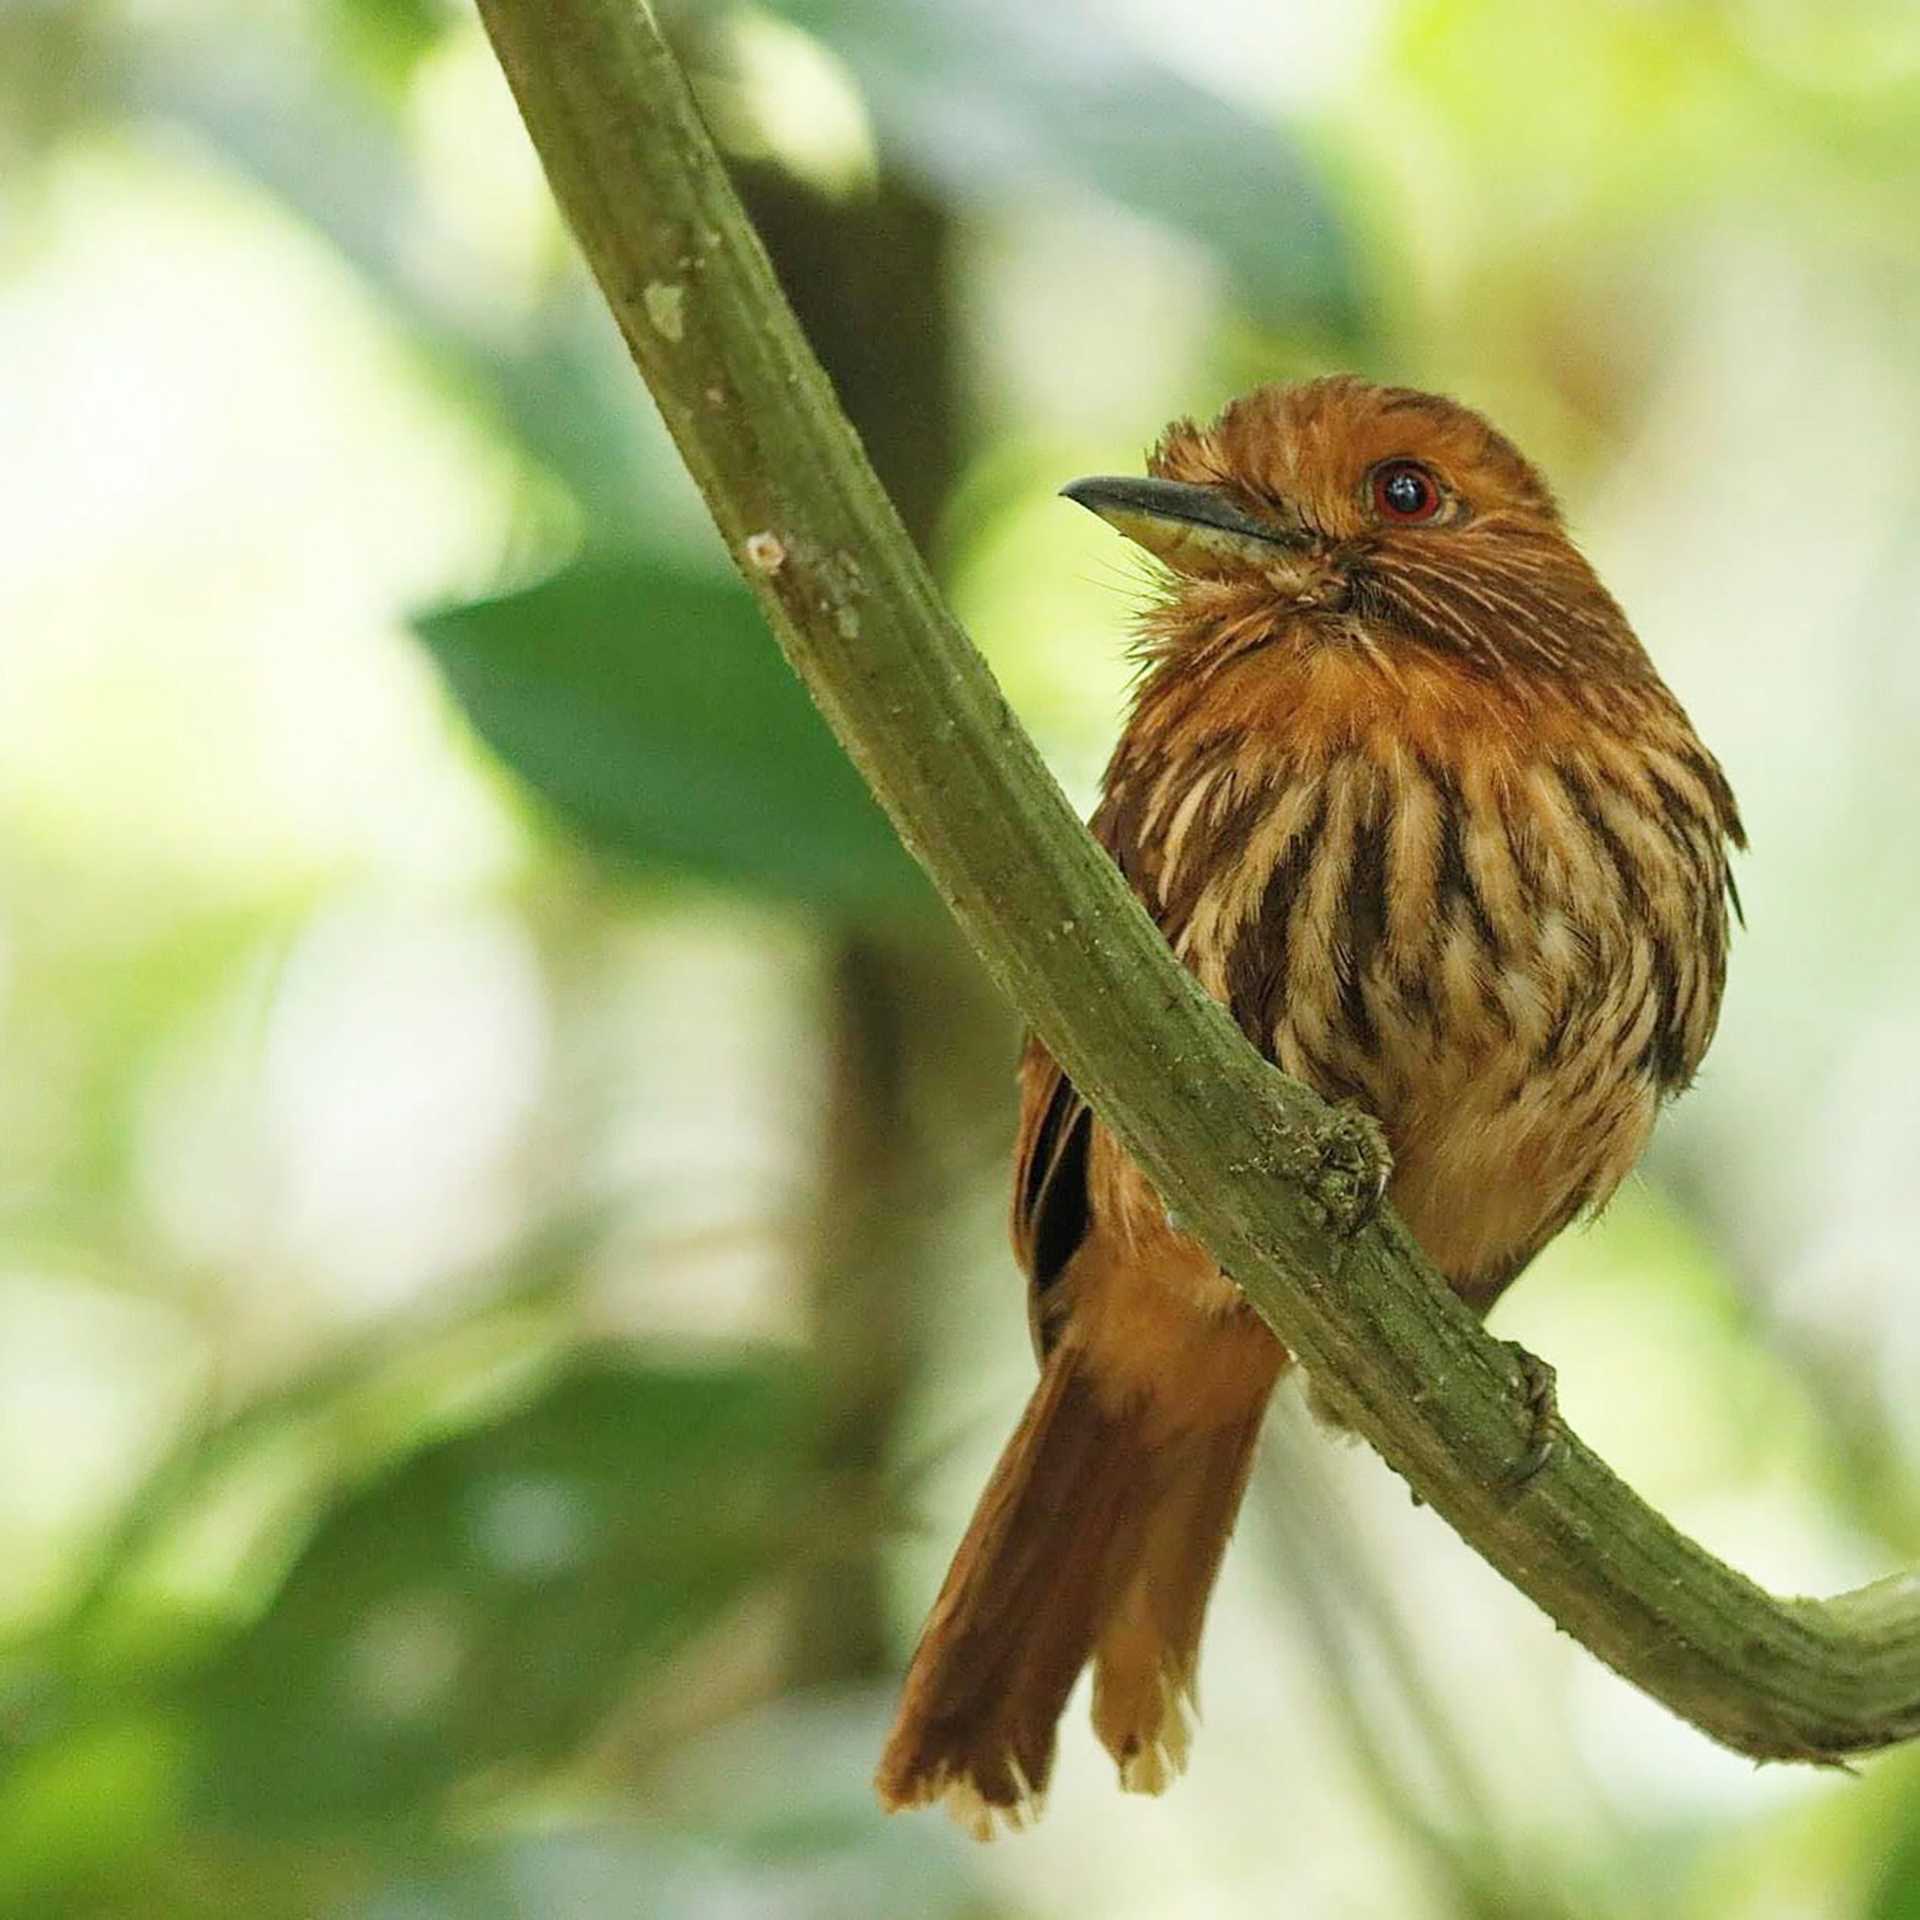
{"points": [[503, 1309], [645, 701], [474, 1605], [998, 99]]}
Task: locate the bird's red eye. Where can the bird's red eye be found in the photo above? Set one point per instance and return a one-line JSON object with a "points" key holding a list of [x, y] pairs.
{"points": [[1405, 491]]}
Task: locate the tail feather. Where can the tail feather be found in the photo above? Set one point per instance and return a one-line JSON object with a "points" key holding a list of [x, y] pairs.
{"points": [[1093, 1533], [1147, 1660], [1052, 1537]]}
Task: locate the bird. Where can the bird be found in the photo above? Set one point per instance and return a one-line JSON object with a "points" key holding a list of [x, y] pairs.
{"points": [[1399, 784]]}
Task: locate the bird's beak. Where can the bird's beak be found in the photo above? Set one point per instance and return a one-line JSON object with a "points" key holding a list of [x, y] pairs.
{"points": [[1185, 526]]}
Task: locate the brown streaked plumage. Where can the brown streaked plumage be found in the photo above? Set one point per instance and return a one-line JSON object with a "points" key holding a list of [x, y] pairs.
{"points": [[1404, 791]]}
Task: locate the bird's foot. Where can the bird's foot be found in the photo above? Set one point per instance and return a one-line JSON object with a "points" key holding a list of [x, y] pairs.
{"points": [[1540, 1408], [1352, 1166]]}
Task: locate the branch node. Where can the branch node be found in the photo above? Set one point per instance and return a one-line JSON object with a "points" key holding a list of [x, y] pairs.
{"points": [[766, 552]]}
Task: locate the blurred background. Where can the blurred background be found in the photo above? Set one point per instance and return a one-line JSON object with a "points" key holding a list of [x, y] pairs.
{"points": [[503, 1303]]}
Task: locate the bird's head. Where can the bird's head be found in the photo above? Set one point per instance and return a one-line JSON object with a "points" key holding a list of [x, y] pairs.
{"points": [[1344, 512]]}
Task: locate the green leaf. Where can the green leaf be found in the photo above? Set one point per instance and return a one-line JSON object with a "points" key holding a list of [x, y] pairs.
{"points": [[491, 1599], [990, 98], [648, 704]]}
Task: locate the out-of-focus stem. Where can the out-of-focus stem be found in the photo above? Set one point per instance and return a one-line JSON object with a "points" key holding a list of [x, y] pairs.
{"points": [[860, 1267]]}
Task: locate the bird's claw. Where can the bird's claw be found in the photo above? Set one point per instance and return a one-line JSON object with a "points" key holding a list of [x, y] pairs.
{"points": [[1540, 1407]]}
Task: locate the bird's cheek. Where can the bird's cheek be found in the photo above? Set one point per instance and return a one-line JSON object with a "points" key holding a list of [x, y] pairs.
{"points": [[1311, 586]]}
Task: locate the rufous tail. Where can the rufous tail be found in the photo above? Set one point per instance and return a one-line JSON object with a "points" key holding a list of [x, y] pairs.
{"points": [[1098, 1537]]}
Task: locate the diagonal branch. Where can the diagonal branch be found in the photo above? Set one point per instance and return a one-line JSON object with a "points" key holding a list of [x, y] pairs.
{"points": [[1276, 1184]]}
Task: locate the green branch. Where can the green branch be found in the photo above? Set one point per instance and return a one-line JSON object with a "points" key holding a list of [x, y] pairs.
{"points": [[1277, 1185]]}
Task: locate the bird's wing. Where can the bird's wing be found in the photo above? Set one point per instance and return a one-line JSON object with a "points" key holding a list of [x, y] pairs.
{"points": [[1051, 1209]]}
